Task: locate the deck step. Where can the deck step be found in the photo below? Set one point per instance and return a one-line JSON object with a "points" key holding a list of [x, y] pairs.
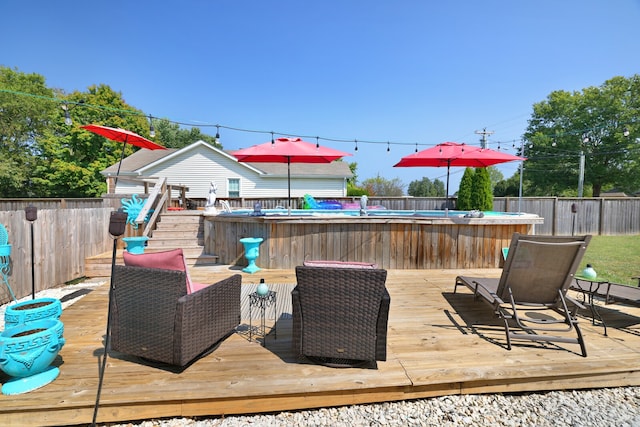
{"points": [[172, 243], [175, 230]]}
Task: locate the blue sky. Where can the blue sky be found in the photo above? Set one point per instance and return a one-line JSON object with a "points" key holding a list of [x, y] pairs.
{"points": [[408, 71]]}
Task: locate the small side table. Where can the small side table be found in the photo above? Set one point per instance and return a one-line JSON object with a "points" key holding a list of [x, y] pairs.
{"points": [[261, 303], [590, 288]]}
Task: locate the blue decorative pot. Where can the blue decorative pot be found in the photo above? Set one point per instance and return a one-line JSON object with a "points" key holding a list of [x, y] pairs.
{"points": [[262, 289], [589, 273], [135, 245], [26, 354], [5, 250], [32, 310], [251, 252]]}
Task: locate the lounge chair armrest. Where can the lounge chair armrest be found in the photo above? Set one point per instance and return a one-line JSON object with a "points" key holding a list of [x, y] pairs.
{"points": [[575, 302]]}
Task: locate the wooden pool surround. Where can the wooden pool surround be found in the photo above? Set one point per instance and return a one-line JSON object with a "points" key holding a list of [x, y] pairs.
{"points": [[391, 242]]}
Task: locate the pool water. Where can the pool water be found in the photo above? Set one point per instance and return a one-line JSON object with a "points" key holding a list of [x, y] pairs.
{"points": [[372, 212]]}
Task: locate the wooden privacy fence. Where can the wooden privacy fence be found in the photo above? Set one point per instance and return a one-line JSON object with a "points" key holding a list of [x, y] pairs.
{"points": [[63, 238], [69, 230], [597, 216]]}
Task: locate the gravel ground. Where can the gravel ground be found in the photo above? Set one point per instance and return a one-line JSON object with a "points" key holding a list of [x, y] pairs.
{"points": [[602, 407], [618, 407]]}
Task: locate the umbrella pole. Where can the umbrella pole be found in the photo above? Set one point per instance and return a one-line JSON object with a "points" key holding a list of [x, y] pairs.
{"points": [[107, 335], [446, 202], [289, 183], [124, 145]]}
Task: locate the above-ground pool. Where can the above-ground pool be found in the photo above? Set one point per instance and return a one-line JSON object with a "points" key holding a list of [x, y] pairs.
{"points": [[392, 239]]}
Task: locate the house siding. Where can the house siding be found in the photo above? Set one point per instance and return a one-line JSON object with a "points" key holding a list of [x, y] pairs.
{"points": [[199, 164]]}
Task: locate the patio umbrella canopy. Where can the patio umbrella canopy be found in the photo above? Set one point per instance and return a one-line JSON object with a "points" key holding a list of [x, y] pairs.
{"points": [[124, 136], [288, 150], [456, 154]]}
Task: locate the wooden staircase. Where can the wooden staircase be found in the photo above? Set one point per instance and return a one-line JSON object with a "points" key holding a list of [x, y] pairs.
{"points": [[174, 229]]}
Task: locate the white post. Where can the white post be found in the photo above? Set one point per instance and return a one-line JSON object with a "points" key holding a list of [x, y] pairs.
{"points": [[581, 175]]}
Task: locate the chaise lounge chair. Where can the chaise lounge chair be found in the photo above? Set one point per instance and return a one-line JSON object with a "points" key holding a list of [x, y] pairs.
{"points": [[532, 290], [340, 315]]}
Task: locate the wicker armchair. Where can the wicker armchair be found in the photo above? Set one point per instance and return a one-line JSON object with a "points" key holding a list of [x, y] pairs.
{"points": [[154, 318], [340, 315]]}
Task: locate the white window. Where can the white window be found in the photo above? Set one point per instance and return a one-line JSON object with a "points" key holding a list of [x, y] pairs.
{"points": [[234, 187]]}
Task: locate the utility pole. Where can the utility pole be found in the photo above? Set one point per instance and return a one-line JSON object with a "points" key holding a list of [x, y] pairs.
{"points": [[484, 132]]}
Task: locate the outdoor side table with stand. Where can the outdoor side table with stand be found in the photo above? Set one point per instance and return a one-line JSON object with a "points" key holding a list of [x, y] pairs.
{"points": [[262, 303], [589, 288]]}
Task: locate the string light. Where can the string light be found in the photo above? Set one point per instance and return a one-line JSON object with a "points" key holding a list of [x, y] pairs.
{"points": [[152, 130], [67, 108], [67, 117], [317, 142]]}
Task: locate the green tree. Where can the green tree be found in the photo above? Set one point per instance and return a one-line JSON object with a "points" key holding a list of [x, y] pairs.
{"points": [[481, 195], [173, 136], [508, 187], [465, 190], [352, 183], [380, 186], [426, 188], [494, 175], [599, 123], [23, 119], [42, 156], [72, 158]]}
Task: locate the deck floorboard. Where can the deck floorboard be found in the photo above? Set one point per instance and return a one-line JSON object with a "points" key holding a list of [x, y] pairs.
{"points": [[439, 343]]}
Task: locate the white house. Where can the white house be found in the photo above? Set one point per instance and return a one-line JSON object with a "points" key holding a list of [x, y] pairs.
{"points": [[199, 164]]}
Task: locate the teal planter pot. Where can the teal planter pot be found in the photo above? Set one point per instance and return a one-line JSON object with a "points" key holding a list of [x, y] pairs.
{"points": [[135, 245], [5, 250], [251, 252], [26, 354], [31, 311]]}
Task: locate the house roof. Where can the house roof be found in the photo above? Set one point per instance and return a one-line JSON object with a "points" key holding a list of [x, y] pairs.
{"points": [[138, 160], [141, 159]]}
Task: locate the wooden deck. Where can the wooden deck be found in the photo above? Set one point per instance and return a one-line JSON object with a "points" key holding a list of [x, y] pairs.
{"points": [[440, 343]]}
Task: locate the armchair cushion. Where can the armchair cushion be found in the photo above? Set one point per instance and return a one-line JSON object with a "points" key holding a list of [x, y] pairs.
{"points": [[166, 260]]}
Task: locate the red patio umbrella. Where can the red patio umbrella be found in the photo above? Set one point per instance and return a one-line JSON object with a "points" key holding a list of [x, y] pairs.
{"points": [[456, 154], [124, 136], [288, 150]]}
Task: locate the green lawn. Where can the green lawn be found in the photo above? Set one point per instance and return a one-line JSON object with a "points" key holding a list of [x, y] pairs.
{"points": [[615, 258]]}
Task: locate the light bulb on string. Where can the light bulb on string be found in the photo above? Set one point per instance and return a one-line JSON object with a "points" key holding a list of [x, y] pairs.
{"points": [[152, 130], [356, 141], [317, 142], [388, 147], [217, 132], [67, 117], [273, 142], [65, 106], [416, 147]]}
